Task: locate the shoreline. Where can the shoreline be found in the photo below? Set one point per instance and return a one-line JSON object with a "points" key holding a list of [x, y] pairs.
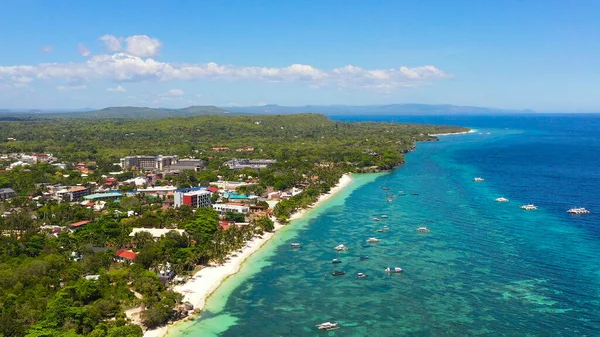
{"points": [[199, 287], [453, 133]]}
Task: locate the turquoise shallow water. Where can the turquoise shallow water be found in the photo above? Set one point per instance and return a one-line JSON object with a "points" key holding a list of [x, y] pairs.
{"points": [[485, 268]]}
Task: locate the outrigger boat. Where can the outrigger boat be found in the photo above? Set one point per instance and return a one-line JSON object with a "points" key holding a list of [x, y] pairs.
{"points": [[363, 257], [336, 261], [338, 273], [340, 247], [529, 207], [328, 326], [394, 270], [578, 210]]}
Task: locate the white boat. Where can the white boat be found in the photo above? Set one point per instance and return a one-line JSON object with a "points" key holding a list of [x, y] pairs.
{"points": [[361, 275], [529, 207], [501, 199], [423, 230], [296, 245], [478, 179], [372, 240], [394, 270], [578, 210], [384, 216], [328, 326], [340, 247], [375, 219], [386, 228]]}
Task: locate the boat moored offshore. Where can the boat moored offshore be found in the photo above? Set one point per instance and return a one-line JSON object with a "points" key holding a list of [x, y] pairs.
{"points": [[296, 245], [578, 210], [423, 230], [328, 326], [340, 247], [363, 257], [372, 240], [334, 261], [529, 207], [501, 199], [361, 275], [338, 273], [394, 270], [478, 179]]}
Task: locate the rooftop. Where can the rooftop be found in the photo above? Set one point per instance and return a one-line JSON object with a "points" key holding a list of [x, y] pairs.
{"points": [[103, 195], [80, 223]]}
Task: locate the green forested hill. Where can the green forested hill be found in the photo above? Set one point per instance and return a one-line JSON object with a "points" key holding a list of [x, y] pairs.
{"points": [[310, 137]]}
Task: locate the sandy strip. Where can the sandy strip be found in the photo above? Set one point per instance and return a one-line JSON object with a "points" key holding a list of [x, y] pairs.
{"points": [[197, 289], [453, 133]]}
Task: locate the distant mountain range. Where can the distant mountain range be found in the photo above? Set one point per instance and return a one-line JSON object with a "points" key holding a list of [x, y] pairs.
{"points": [[130, 112], [125, 112], [391, 109]]}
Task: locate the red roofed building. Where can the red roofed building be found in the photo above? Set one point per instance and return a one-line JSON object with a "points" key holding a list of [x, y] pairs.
{"points": [[125, 255], [79, 224], [110, 181], [224, 225], [213, 189]]}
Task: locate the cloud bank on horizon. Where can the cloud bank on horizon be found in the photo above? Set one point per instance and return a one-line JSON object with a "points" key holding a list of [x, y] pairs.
{"points": [[134, 59]]}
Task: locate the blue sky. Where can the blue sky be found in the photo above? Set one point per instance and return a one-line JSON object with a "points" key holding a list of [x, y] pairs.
{"points": [[542, 54]]}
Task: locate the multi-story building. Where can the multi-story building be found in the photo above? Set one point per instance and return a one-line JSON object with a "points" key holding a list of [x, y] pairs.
{"points": [[194, 199], [148, 162], [231, 207], [7, 193], [186, 164], [73, 193], [256, 164]]}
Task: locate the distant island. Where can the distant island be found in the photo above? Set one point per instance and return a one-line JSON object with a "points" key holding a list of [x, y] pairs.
{"points": [[131, 112]]}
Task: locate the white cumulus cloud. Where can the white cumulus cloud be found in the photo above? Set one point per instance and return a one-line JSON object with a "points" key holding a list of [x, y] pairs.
{"points": [[142, 46], [112, 42], [118, 88], [135, 63]]}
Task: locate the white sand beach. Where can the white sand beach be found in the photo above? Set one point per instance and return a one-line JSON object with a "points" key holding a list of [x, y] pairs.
{"points": [[452, 133], [197, 289]]}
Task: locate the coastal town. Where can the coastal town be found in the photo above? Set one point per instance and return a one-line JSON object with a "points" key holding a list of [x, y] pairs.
{"points": [[149, 237]]}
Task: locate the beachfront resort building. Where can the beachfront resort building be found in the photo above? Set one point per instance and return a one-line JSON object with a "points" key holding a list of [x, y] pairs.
{"points": [[256, 164], [193, 198], [231, 208]]}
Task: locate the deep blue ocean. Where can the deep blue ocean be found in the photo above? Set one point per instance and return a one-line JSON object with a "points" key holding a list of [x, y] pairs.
{"points": [[486, 268]]}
